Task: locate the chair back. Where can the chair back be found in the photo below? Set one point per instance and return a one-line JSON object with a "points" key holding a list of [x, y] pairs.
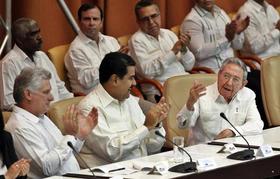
{"points": [[6, 116], [58, 109], [176, 29], [123, 40], [270, 87], [56, 54], [176, 92], [278, 9]]}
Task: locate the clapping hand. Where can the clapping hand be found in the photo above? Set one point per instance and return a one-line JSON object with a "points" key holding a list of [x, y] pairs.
{"points": [[19, 168], [156, 114], [241, 24], [181, 44], [78, 125], [236, 26]]}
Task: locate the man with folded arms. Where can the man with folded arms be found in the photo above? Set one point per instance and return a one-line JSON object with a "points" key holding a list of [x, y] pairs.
{"points": [[123, 131], [35, 136], [228, 95]]}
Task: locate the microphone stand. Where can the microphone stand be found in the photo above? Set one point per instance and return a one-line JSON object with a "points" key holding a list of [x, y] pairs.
{"points": [[246, 154], [73, 148], [184, 167]]}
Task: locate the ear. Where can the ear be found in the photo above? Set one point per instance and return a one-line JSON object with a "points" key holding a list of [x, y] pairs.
{"points": [[114, 79], [27, 94], [245, 82]]}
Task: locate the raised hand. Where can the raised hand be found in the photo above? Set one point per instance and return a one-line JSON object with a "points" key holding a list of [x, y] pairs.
{"points": [[156, 114], [13, 171], [181, 44], [70, 120], [86, 124], [241, 24], [230, 31], [24, 166], [196, 91], [78, 125]]}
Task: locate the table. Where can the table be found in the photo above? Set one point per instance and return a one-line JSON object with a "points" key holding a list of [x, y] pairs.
{"points": [[225, 168]]}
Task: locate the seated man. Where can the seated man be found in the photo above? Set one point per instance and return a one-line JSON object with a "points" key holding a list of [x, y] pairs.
{"points": [[213, 36], [228, 95], [158, 53], [35, 136], [26, 53], [88, 49], [123, 132], [263, 34]]}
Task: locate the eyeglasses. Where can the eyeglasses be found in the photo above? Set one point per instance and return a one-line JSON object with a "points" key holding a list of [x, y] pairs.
{"points": [[235, 79], [148, 18]]}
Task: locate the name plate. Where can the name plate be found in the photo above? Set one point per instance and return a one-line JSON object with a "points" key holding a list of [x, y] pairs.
{"points": [[228, 148], [206, 163], [265, 151]]}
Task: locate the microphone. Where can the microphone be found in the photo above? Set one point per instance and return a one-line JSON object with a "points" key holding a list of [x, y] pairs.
{"points": [[77, 153], [246, 154], [184, 167]]}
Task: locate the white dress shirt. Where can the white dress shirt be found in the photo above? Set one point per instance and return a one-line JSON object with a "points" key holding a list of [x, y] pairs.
{"points": [[11, 66], [83, 60], [120, 133], [208, 41], [262, 38], [156, 60], [205, 121], [40, 140]]}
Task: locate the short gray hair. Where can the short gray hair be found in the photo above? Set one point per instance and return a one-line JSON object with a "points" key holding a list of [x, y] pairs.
{"points": [[237, 62], [29, 78]]}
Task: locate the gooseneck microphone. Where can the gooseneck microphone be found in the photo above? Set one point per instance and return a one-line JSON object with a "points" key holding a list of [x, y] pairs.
{"points": [[184, 167], [77, 153], [246, 154]]}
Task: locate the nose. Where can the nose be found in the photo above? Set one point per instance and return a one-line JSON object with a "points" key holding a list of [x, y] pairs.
{"points": [[91, 22], [229, 81], [50, 97], [134, 82], [151, 20]]}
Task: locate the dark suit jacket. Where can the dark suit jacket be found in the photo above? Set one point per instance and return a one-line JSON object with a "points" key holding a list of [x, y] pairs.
{"points": [[8, 150]]}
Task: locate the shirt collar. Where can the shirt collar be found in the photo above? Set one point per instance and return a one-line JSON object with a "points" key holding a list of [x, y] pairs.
{"points": [[257, 6], [27, 115], [152, 37], [22, 55], [88, 40], [106, 98], [202, 12], [219, 98]]}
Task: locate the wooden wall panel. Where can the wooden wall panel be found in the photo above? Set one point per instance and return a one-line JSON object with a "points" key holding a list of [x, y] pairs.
{"points": [[55, 29], [119, 15]]}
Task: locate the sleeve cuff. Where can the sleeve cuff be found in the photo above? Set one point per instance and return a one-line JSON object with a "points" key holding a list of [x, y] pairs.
{"points": [[275, 34]]}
